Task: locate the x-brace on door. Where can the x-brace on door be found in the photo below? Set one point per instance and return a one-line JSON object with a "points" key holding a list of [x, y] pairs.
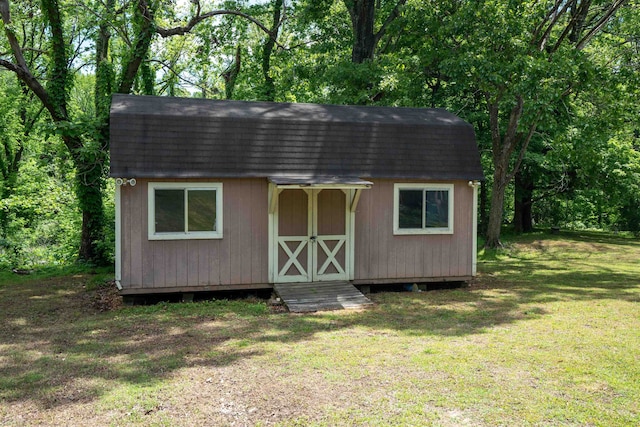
{"points": [[312, 235]]}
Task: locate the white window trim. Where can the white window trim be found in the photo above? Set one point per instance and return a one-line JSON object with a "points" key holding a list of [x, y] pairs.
{"points": [[424, 186], [187, 235]]}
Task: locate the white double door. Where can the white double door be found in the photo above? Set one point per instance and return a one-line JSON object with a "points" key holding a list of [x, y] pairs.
{"points": [[312, 235]]}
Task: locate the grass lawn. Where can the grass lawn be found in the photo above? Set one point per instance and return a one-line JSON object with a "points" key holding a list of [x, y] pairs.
{"points": [[548, 334]]}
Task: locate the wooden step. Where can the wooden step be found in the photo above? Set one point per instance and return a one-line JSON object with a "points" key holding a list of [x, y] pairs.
{"points": [[319, 296]]}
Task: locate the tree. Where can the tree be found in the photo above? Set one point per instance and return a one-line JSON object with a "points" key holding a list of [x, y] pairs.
{"points": [[267, 49], [87, 149], [363, 20], [580, 137], [12, 144], [524, 58], [87, 138]]}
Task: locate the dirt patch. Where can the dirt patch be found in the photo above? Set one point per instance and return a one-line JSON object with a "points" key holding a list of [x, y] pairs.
{"points": [[554, 246], [105, 297]]}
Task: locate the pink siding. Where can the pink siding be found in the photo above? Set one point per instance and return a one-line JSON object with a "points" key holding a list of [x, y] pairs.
{"points": [[380, 255], [240, 258]]}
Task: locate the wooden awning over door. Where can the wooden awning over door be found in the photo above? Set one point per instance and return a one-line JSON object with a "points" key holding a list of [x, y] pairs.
{"points": [[285, 182], [319, 182]]}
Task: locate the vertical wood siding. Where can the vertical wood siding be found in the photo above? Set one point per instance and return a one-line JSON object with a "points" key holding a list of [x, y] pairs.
{"points": [[237, 259], [380, 255], [241, 257]]}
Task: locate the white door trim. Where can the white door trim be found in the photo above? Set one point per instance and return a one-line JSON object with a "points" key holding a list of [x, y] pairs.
{"points": [[279, 275], [319, 272], [313, 243], [292, 261], [319, 245]]}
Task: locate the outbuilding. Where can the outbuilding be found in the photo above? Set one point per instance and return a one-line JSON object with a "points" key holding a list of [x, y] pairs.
{"points": [[222, 195]]}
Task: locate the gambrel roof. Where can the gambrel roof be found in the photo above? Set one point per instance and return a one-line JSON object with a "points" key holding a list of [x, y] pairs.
{"points": [[164, 137]]}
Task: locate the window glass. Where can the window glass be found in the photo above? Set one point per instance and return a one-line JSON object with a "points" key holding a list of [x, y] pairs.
{"points": [[169, 211], [437, 212], [201, 207], [422, 208], [185, 210], [410, 209]]}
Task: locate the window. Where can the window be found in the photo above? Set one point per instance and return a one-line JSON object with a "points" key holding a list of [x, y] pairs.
{"points": [[423, 209], [185, 211]]}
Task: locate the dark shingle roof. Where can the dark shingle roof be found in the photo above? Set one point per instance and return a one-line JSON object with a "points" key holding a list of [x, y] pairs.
{"points": [[162, 137]]}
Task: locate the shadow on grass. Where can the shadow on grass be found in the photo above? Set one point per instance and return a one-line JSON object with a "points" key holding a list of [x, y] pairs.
{"points": [[56, 350], [51, 341]]}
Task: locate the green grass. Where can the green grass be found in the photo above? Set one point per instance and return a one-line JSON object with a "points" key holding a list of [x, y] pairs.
{"points": [[548, 334], [97, 274]]}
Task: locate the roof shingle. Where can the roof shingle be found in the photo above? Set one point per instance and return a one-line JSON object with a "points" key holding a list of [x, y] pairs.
{"points": [[163, 137]]}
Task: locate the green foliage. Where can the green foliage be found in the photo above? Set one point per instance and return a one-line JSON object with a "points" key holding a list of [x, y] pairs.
{"points": [[11, 137], [59, 78], [104, 82], [43, 221], [143, 27], [583, 159]]}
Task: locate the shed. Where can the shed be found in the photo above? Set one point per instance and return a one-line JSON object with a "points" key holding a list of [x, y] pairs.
{"points": [[222, 195]]}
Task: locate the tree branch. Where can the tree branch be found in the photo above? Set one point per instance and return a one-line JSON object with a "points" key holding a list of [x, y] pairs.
{"points": [[195, 20], [512, 127], [124, 7], [523, 148], [392, 16], [177, 74], [555, 15], [139, 50], [33, 84], [552, 11], [16, 49], [494, 124], [565, 32], [108, 21], [600, 24]]}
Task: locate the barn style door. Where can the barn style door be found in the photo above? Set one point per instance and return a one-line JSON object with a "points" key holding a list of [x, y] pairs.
{"points": [[330, 235], [312, 236], [293, 236]]}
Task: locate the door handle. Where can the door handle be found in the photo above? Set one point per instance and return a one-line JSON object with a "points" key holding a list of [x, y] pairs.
{"points": [[313, 238]]}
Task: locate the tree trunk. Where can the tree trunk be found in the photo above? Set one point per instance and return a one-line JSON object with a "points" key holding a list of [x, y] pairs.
{"points": [[502, 147], [92, 234], [482, 229], [267, 49], [231, 74], [89, 183], [363, 17], [523, 201], [89, 165], [144, 24], [362, 14], [495, 213]]}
